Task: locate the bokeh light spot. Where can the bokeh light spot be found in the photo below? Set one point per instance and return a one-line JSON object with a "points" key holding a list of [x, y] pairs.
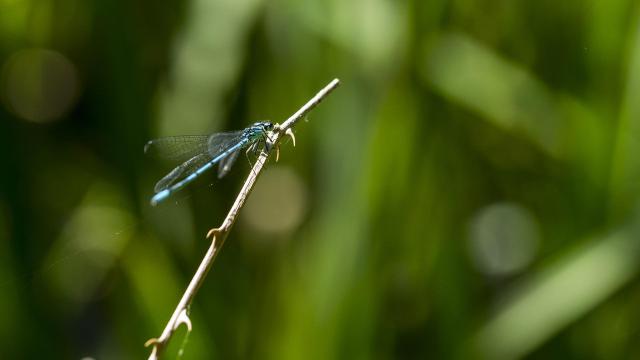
{"points": [[278, 202], [39, 85], [503, 238], [90, 244]]}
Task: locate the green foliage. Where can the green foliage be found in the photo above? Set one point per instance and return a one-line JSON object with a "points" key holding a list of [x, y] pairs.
{"points": [[470, 191]]}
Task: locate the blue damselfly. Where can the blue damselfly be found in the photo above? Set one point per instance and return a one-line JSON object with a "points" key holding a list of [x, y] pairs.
{"points": [[198, 153]]}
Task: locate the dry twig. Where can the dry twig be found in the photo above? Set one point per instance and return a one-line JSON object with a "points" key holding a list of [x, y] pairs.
{"points": [[219, 235]]}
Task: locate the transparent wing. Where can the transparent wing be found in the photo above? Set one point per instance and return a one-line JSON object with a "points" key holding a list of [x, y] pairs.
{"points": [[225, 164], [181, 171], [197, 150], [220, 142], [178, 148]]}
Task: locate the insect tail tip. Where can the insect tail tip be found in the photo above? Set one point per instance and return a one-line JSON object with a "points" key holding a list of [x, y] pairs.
{"points": [[159, 197]]}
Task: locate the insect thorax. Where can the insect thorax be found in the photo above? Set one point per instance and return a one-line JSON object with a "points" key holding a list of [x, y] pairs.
{"points": [[259, 130]]}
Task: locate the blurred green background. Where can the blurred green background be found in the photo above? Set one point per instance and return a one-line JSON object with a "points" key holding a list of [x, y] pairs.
{"points": [[470, 191]]}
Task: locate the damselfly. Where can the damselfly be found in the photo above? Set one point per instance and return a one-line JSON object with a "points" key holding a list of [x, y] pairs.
{"points": [[199, 153]]}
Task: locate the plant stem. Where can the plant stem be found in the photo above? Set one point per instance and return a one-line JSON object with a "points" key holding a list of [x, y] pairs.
{"points": [[219, 235]]}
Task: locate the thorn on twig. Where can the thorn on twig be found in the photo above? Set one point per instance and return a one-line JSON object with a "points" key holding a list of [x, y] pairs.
{"points": [[183, 318], [152, 341], [213, 233], [290, 133]]}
